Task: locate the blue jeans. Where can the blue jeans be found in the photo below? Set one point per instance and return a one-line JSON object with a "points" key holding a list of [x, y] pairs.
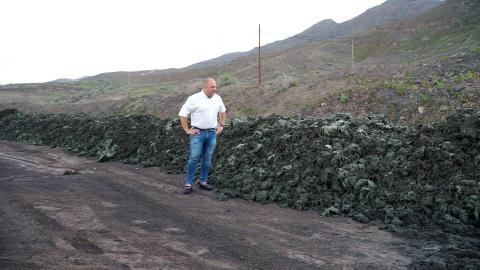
{"points": [[201, 147]]}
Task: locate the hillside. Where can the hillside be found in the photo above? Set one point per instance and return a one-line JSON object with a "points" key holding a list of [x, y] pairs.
{"points": [[413, 70], [391, 10]]}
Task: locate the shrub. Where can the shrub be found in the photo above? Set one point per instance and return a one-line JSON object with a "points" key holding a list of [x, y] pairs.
{"points": [[475, 50], [227, 79], [400, 87], [293, 83], [344, 97]]}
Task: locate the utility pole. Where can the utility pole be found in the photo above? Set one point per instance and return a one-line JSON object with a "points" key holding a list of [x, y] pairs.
{"points": [[259, 64], [128, 80], [353, 54]]}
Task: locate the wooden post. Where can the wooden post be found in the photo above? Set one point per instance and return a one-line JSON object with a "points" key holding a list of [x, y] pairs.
{"points": [[259, 63], [353, 54]]}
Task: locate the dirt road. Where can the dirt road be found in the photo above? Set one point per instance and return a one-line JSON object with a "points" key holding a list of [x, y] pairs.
{"points": [[118, 216]]}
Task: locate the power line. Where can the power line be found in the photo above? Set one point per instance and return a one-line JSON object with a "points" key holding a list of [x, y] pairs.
{"points": [[314, 38]]}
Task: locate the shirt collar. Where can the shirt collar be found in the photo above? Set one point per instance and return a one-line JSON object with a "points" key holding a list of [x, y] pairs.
{"points": [[204, 95]]}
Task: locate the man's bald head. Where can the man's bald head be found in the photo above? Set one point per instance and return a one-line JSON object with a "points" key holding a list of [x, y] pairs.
{"points": [[208, 81], [209, 87]]}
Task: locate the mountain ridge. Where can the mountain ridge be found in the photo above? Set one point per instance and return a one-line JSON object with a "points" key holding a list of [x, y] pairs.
{"points": [[328, 28], [427, 62]]}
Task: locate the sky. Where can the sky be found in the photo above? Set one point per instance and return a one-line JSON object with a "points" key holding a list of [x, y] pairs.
{"points": [[50, 39]]}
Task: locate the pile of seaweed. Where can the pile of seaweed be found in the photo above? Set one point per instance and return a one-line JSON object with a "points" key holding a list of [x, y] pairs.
{"points": [[421, 182]]}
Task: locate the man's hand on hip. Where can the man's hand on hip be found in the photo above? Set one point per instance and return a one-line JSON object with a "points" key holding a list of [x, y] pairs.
{"points": [[192, 131], [219, 129]]}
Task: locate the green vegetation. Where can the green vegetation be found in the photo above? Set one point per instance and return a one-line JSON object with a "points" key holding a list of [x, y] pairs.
{"points": [[365, 51], [283, 83], [148, 89], [131, 98], [227, 79], [247, 111], [140, 109], [401, 87], [392, 112], [343, 98], [315, 103], [368, 47], [68, 97], [131, 104], [438, 42], [425, 100], [440, 83], [60, 98], [293, 83], [467, 76], [309, 74], [475, 50], [97, 85], [342, 94], [424, 39], [82, 90], [471, 16], [340, 91], [291, 104], [431, 37]]}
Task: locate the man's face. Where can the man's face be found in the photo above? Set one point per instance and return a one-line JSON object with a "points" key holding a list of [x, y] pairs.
{"points": [[210, 88]]}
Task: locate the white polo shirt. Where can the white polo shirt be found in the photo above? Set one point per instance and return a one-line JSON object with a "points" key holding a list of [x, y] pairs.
{"points": [[203, 110]]}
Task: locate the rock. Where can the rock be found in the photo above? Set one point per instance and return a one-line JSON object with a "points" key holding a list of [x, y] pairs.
{"points": [[331, 211], [470, 183], [459, 87], [364, 183], [433, 263], [7, 112], [396, 221], [261, 196], [70, 172], [361, 218]]}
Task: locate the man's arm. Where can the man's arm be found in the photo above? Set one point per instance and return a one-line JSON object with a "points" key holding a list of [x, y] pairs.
{"points": [[189, 131], [221, 121]]}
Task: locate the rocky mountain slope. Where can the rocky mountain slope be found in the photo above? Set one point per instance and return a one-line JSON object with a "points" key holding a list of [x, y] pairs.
{"points": [[413, 70], [391, 10]]}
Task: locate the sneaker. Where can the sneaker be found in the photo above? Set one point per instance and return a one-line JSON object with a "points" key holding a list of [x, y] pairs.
{"points": [[187, 190], [205, 186]]}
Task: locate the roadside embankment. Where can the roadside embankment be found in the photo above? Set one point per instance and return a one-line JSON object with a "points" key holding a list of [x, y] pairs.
{"points": [[423, 182]]}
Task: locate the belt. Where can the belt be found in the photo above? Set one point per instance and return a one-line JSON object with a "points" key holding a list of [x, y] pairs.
{"points": [[205, 129]]}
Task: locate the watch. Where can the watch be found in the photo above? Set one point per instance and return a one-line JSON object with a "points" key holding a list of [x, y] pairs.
{"points": [[222, 125]]}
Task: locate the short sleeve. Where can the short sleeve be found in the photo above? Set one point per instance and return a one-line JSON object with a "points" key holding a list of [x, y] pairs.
{"points": [[222, 106], [187, 107]]}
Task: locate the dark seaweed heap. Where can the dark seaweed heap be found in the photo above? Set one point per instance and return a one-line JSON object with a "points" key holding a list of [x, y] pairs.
{"points": [[421, 182]]}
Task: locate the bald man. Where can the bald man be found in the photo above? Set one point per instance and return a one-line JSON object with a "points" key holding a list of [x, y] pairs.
{"points": [[207, 116]]}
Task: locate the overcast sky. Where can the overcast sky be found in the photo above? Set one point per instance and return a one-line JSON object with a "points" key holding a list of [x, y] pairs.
{"points": [[43, 40]]}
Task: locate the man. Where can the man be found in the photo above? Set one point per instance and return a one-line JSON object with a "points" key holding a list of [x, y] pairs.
{"points": [[203, 107]]}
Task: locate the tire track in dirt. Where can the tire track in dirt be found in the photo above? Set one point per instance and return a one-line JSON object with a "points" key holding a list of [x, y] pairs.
{"points": [[123, 217]]}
